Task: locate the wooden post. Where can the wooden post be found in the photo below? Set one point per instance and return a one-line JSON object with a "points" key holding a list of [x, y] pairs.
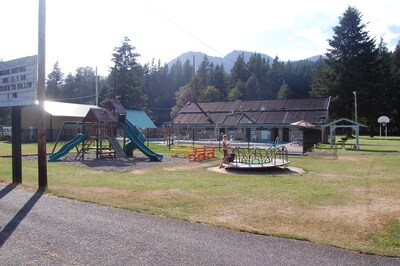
{"points": [[16, 145], [41, 96]]}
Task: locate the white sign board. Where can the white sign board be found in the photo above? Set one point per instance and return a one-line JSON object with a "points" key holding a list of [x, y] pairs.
{"points": [[18, 82]]}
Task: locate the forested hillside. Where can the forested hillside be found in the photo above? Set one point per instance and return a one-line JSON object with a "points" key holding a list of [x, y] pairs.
{"points": [[355, 63]]}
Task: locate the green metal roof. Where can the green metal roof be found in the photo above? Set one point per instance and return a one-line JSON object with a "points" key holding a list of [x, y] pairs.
{"points": [[140, 119]]}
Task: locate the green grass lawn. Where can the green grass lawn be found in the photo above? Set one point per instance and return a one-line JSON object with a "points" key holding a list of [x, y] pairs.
{"points": [[353, 202], [368, 144], [26, 148]]}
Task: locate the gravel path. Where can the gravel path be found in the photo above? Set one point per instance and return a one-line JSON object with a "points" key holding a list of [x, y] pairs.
{"points": [[40, 229], [139, 161]]}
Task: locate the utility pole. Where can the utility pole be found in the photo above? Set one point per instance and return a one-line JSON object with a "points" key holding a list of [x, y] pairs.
{"points": [[41, 96], [193, 82], [114, 97], [355, 105]]}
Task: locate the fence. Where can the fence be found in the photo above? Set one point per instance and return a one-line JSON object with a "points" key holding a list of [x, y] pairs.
{"points": [[167, 136]]}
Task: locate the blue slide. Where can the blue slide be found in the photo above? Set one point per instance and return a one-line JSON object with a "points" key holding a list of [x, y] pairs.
{"points": [[67, 147], [137, 142]]}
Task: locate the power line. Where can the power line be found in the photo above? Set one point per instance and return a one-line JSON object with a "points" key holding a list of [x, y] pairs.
{"points": [[75, 98], [187, 32]]}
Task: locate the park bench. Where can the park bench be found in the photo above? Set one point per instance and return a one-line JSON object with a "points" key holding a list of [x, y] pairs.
{"points": [[183, 151], [341, 143], [202, 153]]}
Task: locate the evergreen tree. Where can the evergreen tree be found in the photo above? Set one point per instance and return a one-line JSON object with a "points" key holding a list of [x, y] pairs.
{"points": [[284, 91], [211, 94], [69, 88], [351, 67], [175, 75], [183, 96], [236, 93], [219, 80], [298, 78], [127, 77], [258, 68], [203, 74], [187, 72], [275, 79], [85, 85], [54, 83], [252, 89], [394, 96], [383, 80], [239, 71]]}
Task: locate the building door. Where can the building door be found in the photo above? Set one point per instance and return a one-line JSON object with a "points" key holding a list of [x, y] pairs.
{"points": [[275, 133], [285, 134]]}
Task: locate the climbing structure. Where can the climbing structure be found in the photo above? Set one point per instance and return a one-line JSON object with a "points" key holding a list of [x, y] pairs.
{"points": [[102, 130]]}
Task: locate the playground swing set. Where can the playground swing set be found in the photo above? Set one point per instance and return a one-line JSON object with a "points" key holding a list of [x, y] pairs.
{"points": [[98, 132]]}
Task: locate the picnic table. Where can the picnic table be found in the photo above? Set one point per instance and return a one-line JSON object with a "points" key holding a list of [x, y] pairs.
{"points": [[202, 153], [194, 153], [181, 151], [341, 143]]}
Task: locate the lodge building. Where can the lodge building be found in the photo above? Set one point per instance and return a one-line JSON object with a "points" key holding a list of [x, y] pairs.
{"points": [[284, 120]]}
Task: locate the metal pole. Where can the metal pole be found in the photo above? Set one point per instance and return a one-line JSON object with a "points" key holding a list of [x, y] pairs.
{"points": [[355, 105], [97, 89], [193, 135], [41, 96]]}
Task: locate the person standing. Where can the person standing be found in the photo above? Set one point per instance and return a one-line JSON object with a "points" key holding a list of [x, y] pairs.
{"points": [[225, 150]]}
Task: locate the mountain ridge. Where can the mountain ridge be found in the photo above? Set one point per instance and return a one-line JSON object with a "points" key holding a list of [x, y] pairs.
{"points": [[228, 60]]}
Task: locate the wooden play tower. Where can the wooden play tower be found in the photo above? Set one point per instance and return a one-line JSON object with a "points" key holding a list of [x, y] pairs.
{"points": [[105, 128]]}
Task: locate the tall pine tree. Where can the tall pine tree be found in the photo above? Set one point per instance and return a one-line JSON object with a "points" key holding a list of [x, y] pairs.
{"points": [[350, 67], [127, 77]]}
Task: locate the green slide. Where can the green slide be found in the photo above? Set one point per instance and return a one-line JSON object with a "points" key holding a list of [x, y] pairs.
{"points": [[137, 142], [130, 146], [136, 130], [67, 147]]}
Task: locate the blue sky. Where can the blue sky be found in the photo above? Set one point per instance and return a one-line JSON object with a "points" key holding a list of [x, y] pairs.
{"points": [[85, 32]]}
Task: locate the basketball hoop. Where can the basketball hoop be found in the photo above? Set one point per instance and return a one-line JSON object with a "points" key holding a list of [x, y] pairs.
{"points": [[383, 121]]}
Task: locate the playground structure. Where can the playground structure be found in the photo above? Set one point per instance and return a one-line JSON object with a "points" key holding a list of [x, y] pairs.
{"points": [[99, 132], [257, 158]]}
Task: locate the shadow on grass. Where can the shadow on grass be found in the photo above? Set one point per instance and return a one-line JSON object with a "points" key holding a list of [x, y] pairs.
{"points": [[19, 217]]}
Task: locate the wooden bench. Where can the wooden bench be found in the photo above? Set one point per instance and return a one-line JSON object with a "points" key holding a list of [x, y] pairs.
{"points": [[210, 152], [181, 151], [202, 153]]}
